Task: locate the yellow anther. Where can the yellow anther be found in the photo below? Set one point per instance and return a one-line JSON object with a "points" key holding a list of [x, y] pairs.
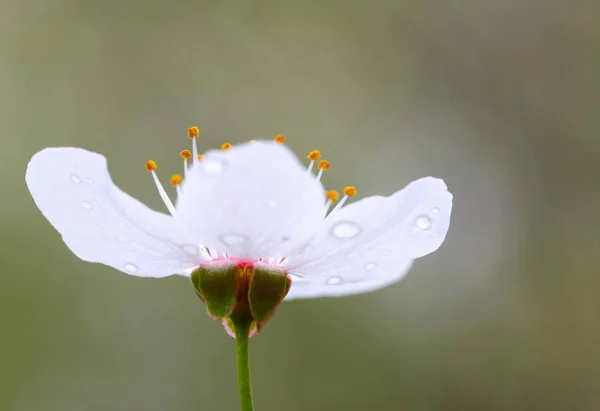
{"points": [[200, 157], [151, 165], [252, 141], [186, 154], [176, 179], [279, 139], [193, 132], [333, 196], [350, 191], [314, 155], [324, 165], [226, 146]]}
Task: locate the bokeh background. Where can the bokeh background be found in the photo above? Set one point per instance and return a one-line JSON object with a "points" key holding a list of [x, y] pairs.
{"points": [[498, 97]]}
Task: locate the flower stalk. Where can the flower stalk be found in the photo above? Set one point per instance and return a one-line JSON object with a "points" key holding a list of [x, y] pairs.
{"points": [[242, 329]]}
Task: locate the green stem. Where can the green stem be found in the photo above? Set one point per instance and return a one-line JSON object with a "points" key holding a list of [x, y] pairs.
{"points": [[242, 328]]}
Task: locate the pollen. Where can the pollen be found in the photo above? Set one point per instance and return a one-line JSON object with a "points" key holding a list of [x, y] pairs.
{"points": [[151, 165], [332, 195], [193, 132], [324, 165], [350, 191], [176, 179], [279, 139], [186, 154], [252, 141], [314, 155], [226, 146], [200, 157]]}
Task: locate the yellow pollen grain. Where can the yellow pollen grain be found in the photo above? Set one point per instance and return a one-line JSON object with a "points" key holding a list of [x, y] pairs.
{"points": [[176, 179], [193, 132], [332, 195], [186, 154], [314, 155], [324, 165], [151, 165], [226, 146], [252, 141], [279, 139], [350, 191], [200, 157]]}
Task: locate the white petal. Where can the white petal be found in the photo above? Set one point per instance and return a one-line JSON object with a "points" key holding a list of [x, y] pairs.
{"points": [[252, 201], [302, 288], [372, 242], [98, 221]]}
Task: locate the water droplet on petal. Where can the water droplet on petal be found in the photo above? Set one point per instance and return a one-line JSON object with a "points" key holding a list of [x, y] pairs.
{"points": [[213, 166], [87, 181], [232, 239], [86, 205], [132, 268], [75, 179], [345, 229], [190, 249], [423, 222], [334, 280], [272, 203], [435, 210], [371, 266]]}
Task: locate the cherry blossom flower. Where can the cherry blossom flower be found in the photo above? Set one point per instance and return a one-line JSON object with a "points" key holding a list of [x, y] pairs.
{"points": [[253, 203]]}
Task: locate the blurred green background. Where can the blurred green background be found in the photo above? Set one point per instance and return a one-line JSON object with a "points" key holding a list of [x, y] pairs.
{"points": [[498, 97]]}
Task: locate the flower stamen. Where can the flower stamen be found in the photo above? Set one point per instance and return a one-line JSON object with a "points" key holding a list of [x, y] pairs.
{"points": [[313, 156], [176, 180], [279, 139], [332, 197], [323, 166], [186, 155], [226, 146], [349, 191], [152, 167], [193, 133]]}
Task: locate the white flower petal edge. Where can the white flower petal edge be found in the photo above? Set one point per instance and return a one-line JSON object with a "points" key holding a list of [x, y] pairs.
{"points": [[252, 201], [371, 243], [99, 222]]}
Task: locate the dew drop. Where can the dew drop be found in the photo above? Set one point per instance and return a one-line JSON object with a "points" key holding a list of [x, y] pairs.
{"points": [[272, 203], [435, 210], [345, 229], [87, 181], [232, 239], [132, 268], [213, 166], [423, 222], [334, 281], [86, 205], [371, 266], [75, 179]]}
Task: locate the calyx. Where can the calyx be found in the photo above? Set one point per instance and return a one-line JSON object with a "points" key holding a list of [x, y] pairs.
{"points": [[236, 291]]}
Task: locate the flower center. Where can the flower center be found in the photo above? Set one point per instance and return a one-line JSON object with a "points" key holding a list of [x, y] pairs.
{"points": [[176, 180]]}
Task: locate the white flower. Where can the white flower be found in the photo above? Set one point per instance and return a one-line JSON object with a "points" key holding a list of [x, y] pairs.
{"points": [[250, 202]]}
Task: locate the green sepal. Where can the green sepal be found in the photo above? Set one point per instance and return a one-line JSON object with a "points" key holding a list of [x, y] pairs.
{"points": [[217, 286], [268, 287]]}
